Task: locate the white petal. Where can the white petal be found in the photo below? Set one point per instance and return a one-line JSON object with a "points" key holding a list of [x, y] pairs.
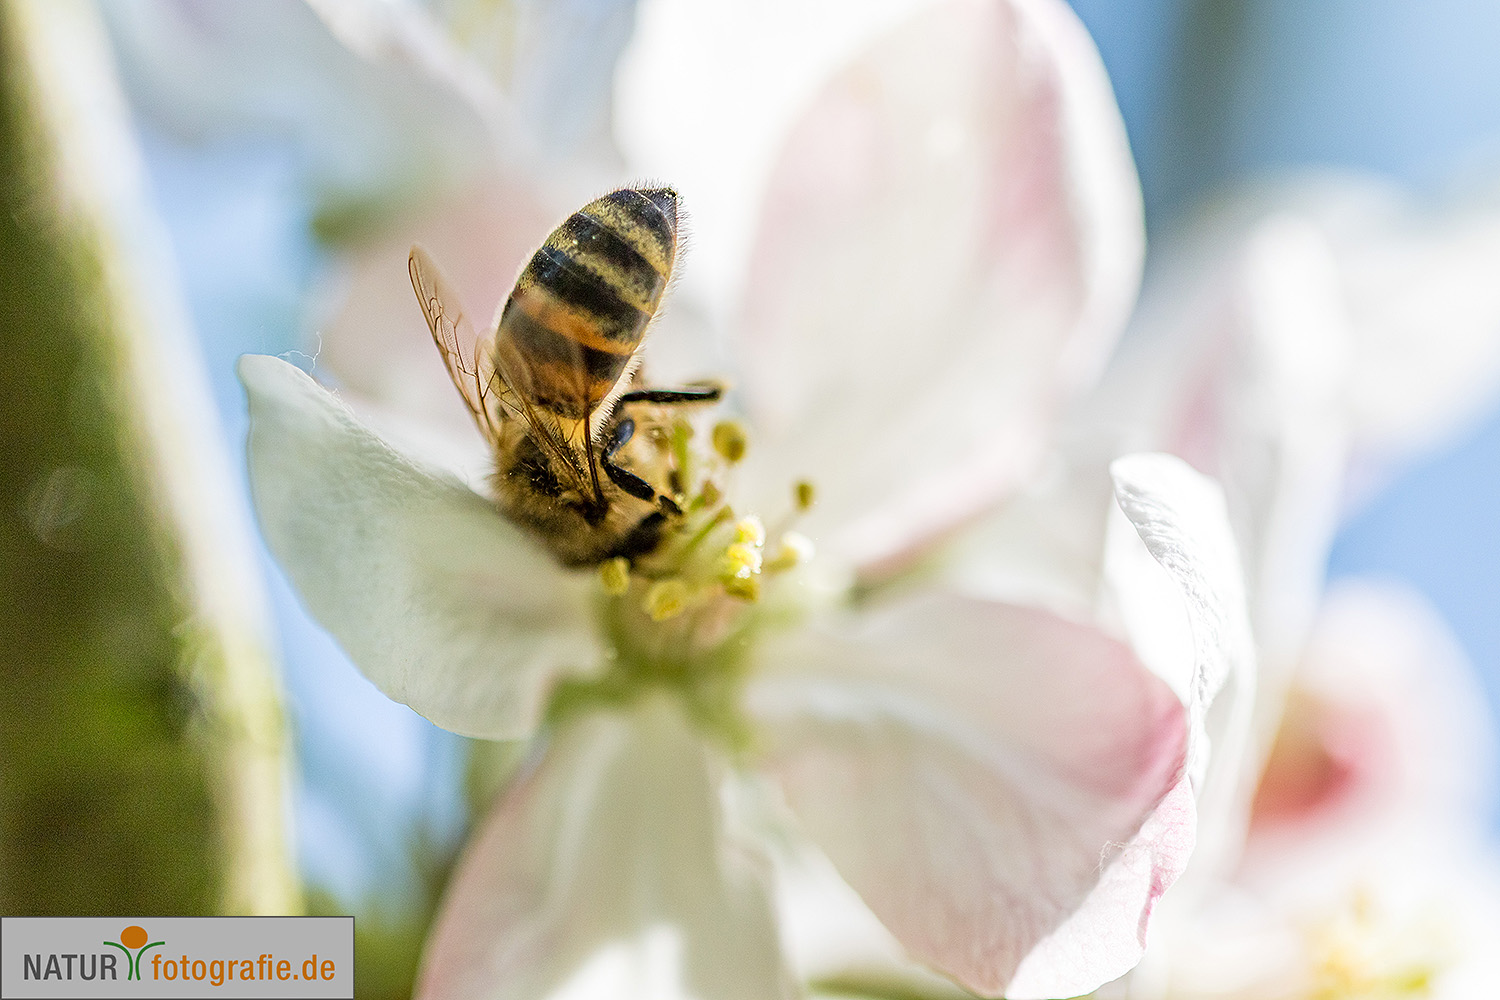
{"points": [[1179, 586], [1238, 363], [970, 768], [738, 78], [604, 874], [440, 601], [1180, 516], [1045, 545], [540, 73], [1425, 309], [1270, 421], [557, 63], [950, 243], [371, 124]]}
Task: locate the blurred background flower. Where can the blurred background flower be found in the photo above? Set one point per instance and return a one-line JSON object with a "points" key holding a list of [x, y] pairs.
{"points": [[1327, 345]]}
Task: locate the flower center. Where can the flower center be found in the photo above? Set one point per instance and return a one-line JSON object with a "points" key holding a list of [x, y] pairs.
{"points": [[684, 616]]}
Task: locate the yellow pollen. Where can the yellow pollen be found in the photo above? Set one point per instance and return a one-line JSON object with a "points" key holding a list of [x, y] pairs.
{"points": [[749, 529], [666, 599], [730, 440], [614, 574], [805, 494], [742, 559]]}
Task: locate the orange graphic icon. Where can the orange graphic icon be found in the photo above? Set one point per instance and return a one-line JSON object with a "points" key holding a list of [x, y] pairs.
{"points": [[133, 938]]}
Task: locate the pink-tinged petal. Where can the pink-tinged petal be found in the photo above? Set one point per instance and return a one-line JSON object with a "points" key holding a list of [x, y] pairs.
{"points": [[1385, 731], [950, 243], [605, 874], [1325, 754], [1106, 935], [442, 603], [1387, 855], [971, 769], [1196, 611], [738, 79]]}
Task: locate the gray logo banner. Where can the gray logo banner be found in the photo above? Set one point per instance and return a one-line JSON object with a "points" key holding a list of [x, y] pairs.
{"points": [[84, 957]]}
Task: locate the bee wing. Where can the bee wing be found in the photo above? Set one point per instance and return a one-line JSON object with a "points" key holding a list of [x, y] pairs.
{"points": [[468, 359]]}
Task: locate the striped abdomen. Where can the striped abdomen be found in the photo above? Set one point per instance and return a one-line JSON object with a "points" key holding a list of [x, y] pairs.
{"points": [[582, 304]]}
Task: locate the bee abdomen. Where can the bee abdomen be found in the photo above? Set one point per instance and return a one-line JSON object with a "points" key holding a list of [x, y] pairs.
{"points": [[582, 305]]}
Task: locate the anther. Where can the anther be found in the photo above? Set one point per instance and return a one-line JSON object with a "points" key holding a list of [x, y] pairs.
{"points": [[749, 529], [614, 574], [742, 559], [793, 550], [730, 440], [666, 599], [805, 494]]}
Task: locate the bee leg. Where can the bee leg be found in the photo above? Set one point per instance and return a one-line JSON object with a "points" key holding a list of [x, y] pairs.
{"points": [[626, 480], [671, 397], [599, 505], [643, 538]]}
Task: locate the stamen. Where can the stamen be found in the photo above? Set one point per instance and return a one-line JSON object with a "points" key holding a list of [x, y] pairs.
{"points": [[719, 517], [681, 434], [746, 588], [739, 569]]}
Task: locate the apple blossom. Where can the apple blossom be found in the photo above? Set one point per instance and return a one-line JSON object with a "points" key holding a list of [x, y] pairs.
{"points": [[1008, 789], [968, 765]]}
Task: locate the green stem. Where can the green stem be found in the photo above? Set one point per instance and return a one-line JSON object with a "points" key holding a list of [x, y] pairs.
{"points": [[139, 727]]}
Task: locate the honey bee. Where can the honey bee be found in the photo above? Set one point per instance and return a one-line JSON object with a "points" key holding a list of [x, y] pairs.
{"points": [[549, 387]]}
